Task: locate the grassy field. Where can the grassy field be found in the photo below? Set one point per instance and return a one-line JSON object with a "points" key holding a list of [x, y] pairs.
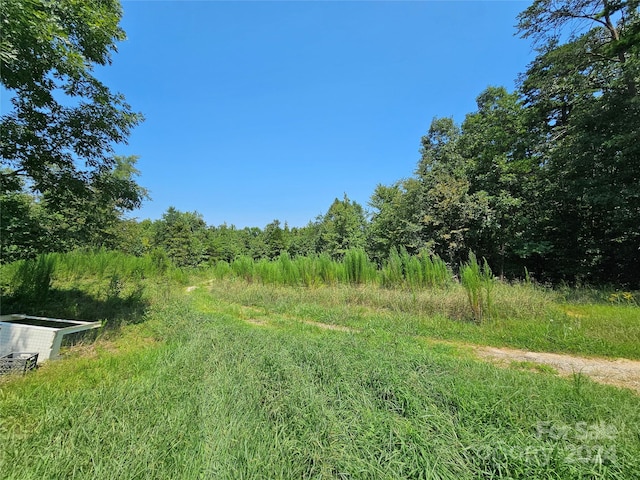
{"points": [[526, 317], [235, 380]]}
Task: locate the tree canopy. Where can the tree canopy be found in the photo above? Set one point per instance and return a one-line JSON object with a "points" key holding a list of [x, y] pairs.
{"points": [[60, 133], [546, 177], [61, 183]]}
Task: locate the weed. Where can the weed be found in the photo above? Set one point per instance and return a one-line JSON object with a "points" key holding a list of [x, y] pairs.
{"points": [[358, 269], [623, 298], [478, 282], [533, 366], [243, 267]]}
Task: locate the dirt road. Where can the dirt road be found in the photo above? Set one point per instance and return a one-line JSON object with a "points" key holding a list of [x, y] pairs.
{"points": [[620, 372]]}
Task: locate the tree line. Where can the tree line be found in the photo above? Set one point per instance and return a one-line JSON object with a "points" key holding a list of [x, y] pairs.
{"points": [[545, 177]]}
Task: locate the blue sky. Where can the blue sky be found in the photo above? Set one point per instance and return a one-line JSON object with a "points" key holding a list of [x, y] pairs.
{"points": [[258, 111]]}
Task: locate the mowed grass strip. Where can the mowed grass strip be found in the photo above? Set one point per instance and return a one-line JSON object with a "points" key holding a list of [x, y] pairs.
{"points": [[213, 396]]}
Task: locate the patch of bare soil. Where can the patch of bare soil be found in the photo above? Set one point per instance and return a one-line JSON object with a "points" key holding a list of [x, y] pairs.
{"points": [[191, 288], [329, 326], [619, 372], [255, 321], [324, 326]]}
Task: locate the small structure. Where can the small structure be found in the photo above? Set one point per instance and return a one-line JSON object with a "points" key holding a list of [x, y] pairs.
{"points": [[42, 335], [18, 362]]}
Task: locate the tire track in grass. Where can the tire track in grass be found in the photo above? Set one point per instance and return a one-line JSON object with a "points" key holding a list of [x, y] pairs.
{"points": [[383, 380], [620, 372]]}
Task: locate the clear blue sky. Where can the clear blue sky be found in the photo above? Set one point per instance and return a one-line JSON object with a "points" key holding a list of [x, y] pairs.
{"points": [[258, 111]]}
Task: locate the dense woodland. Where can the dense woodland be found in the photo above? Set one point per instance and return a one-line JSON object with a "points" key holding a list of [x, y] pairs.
{"points": [[545, 178]]}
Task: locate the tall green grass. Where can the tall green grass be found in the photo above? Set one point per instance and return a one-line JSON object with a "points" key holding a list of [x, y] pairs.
{"points": [[328, 270], [355, 268], [31, 279], [414, 271], [102, 285], [478, 282], [199, 393], [35, 277], [524, 316]]}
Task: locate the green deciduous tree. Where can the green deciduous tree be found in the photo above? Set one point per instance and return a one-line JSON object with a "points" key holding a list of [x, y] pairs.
{"points": [[304, 240], [395, 220], [342, 228], [606, 31], [226, 242], [581, 93], [275, 239], [88, 214], [547, 177], [21, 223], [59, 135], [183, 236], [66, 220], [449, 209], [495, 142]]}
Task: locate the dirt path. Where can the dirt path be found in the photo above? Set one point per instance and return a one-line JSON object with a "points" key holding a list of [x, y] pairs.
{"points": [[620, 372], [324, 326]]}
